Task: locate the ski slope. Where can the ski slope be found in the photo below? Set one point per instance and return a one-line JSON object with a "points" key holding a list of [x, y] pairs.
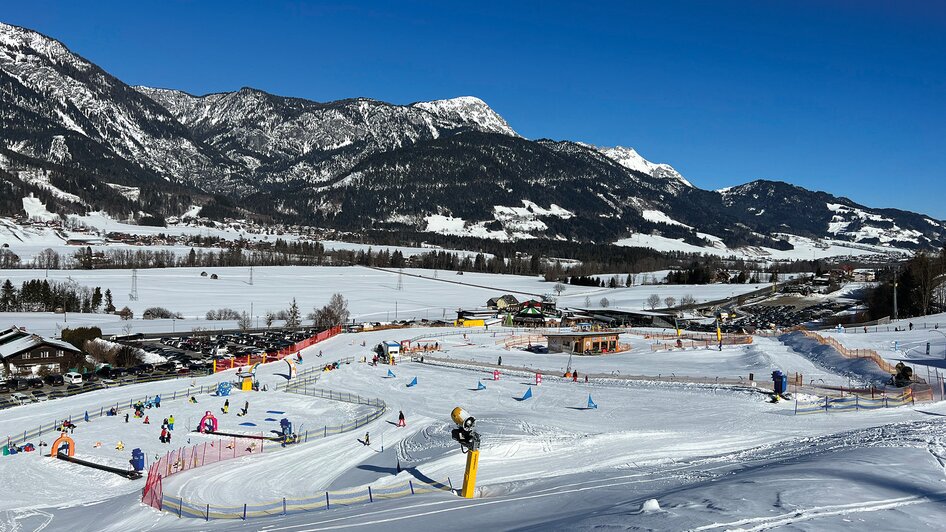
{"points": [[716, 458]]}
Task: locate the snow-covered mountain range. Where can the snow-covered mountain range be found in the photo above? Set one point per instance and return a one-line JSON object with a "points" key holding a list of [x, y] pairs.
{"points": [[79, 139]]}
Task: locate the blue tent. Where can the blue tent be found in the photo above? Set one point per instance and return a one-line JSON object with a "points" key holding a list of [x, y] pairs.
{"points": [[527, 395], [391, 374], [480, 385], [591, 404], [413, 382]]}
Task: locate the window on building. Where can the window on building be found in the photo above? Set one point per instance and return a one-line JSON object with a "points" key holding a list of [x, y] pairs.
{"points": [[44, 354], [25, 356], [59, 353]]}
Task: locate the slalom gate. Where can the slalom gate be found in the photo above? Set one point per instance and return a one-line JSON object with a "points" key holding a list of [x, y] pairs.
{"points": [[285, 506]]}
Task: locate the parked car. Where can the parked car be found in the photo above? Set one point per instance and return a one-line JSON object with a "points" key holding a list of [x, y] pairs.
{"points": [[72, 378], [5, 387], [19, 384], [5, 403], [56, 394], [21, 398], [35, 382], [40, 396], [53, 379], [108, 383]]}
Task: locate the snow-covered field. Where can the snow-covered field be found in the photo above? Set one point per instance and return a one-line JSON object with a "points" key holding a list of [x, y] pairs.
{"points": [[372, 294], [711, 458]]}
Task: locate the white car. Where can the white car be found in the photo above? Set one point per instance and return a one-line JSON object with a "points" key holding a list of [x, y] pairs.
{"points": [[21, 398], [108, 383]]}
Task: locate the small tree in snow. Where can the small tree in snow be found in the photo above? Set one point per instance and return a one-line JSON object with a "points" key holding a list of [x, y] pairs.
{"points": [[688, 300], [652, 301], [604, 302], [559, 288], [587, 301], [670, 301], [245, 322]]}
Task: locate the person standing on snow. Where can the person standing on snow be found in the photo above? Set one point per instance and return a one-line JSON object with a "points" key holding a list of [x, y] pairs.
{"points": [[400, 419], [171, 422], [367, 439]]}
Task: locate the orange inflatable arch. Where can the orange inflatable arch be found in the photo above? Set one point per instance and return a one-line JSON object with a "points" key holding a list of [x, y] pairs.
{"points": [[63, 438]]}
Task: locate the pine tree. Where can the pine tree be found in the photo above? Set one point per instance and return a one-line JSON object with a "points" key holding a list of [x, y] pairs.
{"points": [[96, 299], [8, 297], [293, 319], [109, 304]]}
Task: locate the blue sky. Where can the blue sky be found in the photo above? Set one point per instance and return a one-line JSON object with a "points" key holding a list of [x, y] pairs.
{"points": [[843, 96]]}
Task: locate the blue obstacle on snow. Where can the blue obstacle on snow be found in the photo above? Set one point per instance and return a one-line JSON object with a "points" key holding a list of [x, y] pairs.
{"points": [[412, 383], [270, 419], [223, 389], [247, 424], [591, 404], [391, 374], [275, 412], [480, 385], [527, 395]]}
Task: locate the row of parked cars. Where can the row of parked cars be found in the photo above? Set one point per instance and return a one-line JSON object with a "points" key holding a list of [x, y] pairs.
{"points": [[230, 345]]}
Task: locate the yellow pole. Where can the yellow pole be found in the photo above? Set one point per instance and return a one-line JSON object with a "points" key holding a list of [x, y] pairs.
{"points": [[469, 477], [215, 365]]}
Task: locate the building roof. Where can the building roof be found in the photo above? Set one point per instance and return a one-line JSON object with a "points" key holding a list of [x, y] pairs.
{"points": [[509, 299], [14, 341], [582, 334]]}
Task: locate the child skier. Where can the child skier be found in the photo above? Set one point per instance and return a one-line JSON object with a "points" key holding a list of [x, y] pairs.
{"points": [[400, 419], [226, 407], [171, 422], [367, 439]]}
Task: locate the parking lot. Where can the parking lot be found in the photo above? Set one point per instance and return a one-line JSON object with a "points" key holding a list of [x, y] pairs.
{"points": [[166, 357]]}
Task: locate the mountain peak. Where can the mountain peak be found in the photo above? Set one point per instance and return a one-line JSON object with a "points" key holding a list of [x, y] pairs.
{"points": [[629, 158], [468, 109]]}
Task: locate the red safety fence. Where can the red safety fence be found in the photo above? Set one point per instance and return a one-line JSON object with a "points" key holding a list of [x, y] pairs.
{"points": [[187, 458], [249, 360]]}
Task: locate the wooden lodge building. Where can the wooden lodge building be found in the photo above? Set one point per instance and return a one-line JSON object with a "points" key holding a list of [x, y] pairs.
{"points": [[24, 353], [584, 342]]}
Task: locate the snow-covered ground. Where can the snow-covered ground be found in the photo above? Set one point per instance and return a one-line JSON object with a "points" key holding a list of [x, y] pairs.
{"points": [[372, 294], [711, 458]]}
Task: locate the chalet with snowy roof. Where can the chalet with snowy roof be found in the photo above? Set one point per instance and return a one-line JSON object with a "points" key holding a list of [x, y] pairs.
{"points": [[25, 353], [502, 303]]}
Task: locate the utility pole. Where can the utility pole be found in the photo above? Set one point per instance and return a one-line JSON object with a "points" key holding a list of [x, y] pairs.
{"points": [[251, 276], [896, 276]]}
